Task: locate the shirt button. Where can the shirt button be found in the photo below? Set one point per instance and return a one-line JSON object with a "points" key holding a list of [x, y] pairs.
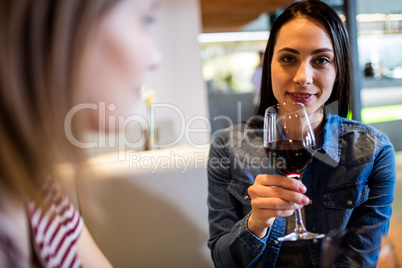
{"points": [[275, 242], [315, 241], [311, 202], [258, 245], [246, 197], [349, 202]]}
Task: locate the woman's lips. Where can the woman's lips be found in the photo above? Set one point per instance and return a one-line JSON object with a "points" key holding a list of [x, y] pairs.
{"points": [[301, 97]]}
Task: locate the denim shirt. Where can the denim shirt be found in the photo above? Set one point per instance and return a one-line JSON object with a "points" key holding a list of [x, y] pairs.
{"points": [[350, 182]]}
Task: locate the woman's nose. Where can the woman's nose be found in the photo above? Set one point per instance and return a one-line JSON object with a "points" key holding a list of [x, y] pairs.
{"points": [[304, 74]]}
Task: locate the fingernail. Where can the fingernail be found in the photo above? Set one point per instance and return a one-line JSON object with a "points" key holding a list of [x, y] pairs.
{"points": [[302, 188], [305, 200]]}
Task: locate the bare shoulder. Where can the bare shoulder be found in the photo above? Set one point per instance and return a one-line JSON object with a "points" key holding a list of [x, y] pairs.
{"points": [[89, 253]]}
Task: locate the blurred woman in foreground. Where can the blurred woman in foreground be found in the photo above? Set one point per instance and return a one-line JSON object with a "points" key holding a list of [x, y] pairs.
{"points": [[55, 57]]}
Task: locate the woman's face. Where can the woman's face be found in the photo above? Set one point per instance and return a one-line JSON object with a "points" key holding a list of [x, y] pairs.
{"points": [[302, 67], [118, 54]]}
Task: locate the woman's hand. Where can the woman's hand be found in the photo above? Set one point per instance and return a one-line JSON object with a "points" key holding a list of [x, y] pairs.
{"points": [[273, 196]]}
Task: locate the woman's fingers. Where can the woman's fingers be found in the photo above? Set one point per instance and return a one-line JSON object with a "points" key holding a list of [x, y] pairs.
{"points": [[281, 181], [273, 213], [263, 192], [273, 203], [273, 194]]}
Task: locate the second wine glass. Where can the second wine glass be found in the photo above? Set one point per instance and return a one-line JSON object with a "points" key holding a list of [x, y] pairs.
{"points": [[289, 142]]}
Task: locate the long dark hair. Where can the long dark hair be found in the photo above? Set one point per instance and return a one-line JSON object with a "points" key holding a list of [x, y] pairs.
{"points": [[320, 11]]}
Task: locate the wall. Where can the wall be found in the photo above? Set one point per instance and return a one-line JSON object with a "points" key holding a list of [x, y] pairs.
{"points": [[178, 80]]}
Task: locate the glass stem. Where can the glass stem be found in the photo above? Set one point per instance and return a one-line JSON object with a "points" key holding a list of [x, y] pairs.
{"points": [[299, 225]]}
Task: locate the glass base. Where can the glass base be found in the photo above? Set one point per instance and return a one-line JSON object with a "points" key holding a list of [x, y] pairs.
{"points": [[301, 236]]}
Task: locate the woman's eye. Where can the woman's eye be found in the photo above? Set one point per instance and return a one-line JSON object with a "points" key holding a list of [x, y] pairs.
{"points": [[287, 59], [322, 60], [148, 20]]}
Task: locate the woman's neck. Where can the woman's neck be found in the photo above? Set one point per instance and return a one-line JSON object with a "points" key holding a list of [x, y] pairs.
{"points": [[317, 120]]}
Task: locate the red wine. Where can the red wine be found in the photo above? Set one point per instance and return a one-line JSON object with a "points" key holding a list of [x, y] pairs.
{"points": [[288, 156]]}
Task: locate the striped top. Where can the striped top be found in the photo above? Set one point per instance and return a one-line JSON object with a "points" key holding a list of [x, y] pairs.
{"points": [[56, 226]]}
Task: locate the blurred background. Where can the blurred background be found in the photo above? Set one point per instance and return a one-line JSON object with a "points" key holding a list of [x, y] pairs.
{"points": [[154, 215]]}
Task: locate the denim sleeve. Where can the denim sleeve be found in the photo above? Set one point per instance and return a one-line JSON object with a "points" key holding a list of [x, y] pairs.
{"points": [[231, 244], [364, 240]]}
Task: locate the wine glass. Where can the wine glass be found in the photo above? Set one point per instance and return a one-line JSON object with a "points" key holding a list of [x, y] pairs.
{"points": [[289, 142]]}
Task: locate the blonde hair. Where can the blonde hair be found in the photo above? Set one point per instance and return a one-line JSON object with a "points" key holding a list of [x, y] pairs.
{"points": [[40, 50]]}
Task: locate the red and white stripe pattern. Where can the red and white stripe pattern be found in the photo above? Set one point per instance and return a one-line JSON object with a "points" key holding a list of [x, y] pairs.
{"points": [[56, 226]]}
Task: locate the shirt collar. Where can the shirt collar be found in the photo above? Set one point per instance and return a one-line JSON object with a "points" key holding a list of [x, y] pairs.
{"points": [[330, 151]]}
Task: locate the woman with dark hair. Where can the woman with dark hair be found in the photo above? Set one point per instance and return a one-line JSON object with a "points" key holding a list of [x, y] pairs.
{"points": [[58, 56], [335, 29], [348, 186]]}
